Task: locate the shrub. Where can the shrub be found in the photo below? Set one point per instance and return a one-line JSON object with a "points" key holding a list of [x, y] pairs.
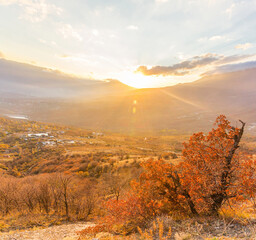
{"points": [[212, 172]]}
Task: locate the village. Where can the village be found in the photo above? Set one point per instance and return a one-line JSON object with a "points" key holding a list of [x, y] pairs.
{"points": [[38, 147], [15, 138]]}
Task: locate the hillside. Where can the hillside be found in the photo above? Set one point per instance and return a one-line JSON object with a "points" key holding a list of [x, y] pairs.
{"points": [[114, 106], [185, 107], [19, 80], [55, 175]]}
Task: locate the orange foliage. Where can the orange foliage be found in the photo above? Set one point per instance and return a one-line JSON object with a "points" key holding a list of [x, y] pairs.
{"points": [[91, 231], [211, 168], [212, 172], [123, 216]]}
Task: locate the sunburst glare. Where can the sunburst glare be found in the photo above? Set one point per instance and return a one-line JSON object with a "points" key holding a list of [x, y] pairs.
{"points": [[137, 80]]}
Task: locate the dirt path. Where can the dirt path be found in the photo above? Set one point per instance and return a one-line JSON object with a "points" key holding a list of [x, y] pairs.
{"points": [[61, 232]]}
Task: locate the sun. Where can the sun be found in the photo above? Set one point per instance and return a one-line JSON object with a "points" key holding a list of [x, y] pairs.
{"points": [[137, 80]]}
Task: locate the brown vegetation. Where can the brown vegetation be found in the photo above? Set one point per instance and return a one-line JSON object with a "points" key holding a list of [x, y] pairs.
{"points": [[124, 183], [211, 174]]}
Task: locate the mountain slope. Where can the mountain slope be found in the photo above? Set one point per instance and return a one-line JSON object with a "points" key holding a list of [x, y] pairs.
{"points": [[185, 107], [113, 106], [31, 81]]}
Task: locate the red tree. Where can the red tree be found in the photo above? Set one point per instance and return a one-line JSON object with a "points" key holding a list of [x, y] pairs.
{"points": [[212, 172]]}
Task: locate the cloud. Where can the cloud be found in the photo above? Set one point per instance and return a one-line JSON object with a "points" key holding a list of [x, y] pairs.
{"points": [[47, 43], [95, 32], [68, 31], [197, 62], [7, 2], [65, 56], [214, 38], [79, 58], [34, 10], [232, 68], [243, 46], [161, 1], [234, 58], [230, 10], [132, 27], [1, 55]]}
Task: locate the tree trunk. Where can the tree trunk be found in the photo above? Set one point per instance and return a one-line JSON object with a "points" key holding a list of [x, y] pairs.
{"points": [[219, 198]]}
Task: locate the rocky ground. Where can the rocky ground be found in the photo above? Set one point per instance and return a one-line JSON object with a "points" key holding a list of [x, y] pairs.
{"points": [[61, 232], [191, 229]]}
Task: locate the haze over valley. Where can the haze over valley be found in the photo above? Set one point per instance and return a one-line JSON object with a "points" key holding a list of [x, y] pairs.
{"points": [[46, 95]]}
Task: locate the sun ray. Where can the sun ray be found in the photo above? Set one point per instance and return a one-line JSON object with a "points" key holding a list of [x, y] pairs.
{"points": [[184, 100]]}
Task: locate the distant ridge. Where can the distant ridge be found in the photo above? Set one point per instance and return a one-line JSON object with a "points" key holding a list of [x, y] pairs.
{"points": [[114, 106], [32, 81]]}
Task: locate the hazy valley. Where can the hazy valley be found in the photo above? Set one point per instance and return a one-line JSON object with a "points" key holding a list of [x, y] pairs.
{"points": [[113, 106]]}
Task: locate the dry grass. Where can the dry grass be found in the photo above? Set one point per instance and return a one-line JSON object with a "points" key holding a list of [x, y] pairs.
{"points": [[24, 221], [157, 231], [208, 228]]}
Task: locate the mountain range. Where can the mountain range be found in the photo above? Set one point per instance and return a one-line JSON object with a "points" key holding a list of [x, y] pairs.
{"points": [[51, 96]]}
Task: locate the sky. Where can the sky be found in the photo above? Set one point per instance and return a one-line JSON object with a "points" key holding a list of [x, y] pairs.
{"points": [[142, 43]]}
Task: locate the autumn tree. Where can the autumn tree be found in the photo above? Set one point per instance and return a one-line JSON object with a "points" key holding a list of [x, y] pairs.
{"points": [[212, 167], [113, 184], [44, 195], [8, 190], [84, 198], [28, 193], [65, 183], [56, 191], [211, 173]]}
